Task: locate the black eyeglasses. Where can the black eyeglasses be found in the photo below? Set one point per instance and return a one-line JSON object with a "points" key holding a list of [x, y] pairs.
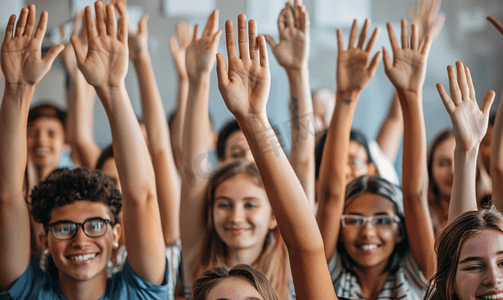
{"points": [[67, 230]]}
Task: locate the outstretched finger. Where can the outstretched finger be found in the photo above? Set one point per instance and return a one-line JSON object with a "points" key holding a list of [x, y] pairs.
{"points": [[388, 64], [10, 28], [496, 24], [264, 60], [373, 39], [122, 29], [363, 34], [304, 20], [242, 37], [289, 17], [230, 42], [374, 64], [296, 12], [425, 49], [111, 20], [77, 22], [194, 34], [488, 102], [142, 25], [252, 33], [101, 25], [52, 54], [31, 22], [42, 26], [453, 85], [222, 75], [21, 22], [392, 38], [405, 35], [463, 85], [448, 103], [282, 20], [340, 41], [352, 35], [470, 83], [211, 24], [414, 40], [78, 48]]}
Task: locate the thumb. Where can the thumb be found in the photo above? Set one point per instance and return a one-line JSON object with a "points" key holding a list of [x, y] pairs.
{"points": [[52, 54], [142, 25], [222, 75], [488, 101], [386, 59], [270, 41]]}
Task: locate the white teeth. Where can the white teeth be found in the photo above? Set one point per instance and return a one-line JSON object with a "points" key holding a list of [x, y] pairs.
{"points": [[490, 297], [368, 247], [83, 257]]}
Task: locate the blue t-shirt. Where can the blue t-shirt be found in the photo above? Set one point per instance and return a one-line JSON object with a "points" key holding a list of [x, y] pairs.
{"points": [[37, 284]]}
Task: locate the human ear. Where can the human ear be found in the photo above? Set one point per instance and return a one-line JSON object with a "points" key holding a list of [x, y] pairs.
{"points": [[273, 223], [400, 234], [372, 170], [117, 230], [44, 241]]}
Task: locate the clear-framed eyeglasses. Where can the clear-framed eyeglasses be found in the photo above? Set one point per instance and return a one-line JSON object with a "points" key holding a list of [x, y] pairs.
{"points": [[382, 221]]}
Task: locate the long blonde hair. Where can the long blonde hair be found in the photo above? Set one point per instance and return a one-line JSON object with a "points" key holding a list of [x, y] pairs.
{"points": [[272, 261], [448, 246]]}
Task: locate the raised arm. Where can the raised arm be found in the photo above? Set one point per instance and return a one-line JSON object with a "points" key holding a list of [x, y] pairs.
{"points": [[23, 66], [353, 73], [178, 48], [104, 65], [166, 177], [470, 125], [496, 165], [407, 72], [292, 53], [81, 95], [200, 59], [245, 89]]}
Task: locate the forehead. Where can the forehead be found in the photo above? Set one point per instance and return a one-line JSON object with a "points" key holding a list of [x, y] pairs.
{"points": [[239, 187], [486, 244], [234, 288], [356, 149], [237, 138], [46, 122], [445, 148], [368, 204], [79, 211]]}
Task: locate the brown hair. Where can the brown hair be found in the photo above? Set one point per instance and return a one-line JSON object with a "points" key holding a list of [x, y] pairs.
{"points": [[433, 191], [204, 284], [448, 247], [272, 261]]}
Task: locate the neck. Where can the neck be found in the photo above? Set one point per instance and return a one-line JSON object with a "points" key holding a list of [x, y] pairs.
{"points": [[41, 173], [74, 289], [242, 255], [372, 280]]}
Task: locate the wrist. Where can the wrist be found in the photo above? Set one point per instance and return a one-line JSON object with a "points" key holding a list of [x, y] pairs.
{"points": [[470, 151], [18, 89], [109, 93], [252, 121], [202, 79], [141, 57], [297, 73], [347, 97]]}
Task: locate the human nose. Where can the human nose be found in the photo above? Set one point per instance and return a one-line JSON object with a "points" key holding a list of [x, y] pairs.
{"points": [[493, 276], [238, 214], [80, 237], [368, 229]]}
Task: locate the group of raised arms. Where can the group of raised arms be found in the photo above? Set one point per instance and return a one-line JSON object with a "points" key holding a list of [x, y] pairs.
{"points": [[151, 216]]}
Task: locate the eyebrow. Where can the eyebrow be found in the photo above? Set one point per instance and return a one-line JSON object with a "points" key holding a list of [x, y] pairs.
{"points": [[232, 199], [376, 214], [247, 298], [476, 258]]}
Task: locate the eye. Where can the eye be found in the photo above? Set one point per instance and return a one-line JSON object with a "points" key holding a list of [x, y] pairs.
{"points": [[445, 163], [52, 133], [223, 205], [473, 268], [32, 133], [384, 220], [354, 221], [95, 225], [250, 205]]}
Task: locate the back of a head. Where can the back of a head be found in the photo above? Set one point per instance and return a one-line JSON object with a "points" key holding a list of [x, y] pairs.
{"points": [[448, 246], [212, 277]]}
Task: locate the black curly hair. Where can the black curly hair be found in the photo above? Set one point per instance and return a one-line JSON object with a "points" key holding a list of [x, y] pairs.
{"points": [[64, 186]]}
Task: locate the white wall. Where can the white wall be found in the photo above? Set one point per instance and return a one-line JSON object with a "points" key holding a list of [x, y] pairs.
{"points": [[479, 49]]}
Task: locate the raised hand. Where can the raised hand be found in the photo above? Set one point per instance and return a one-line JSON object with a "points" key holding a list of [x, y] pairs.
{"points": [[469, 122], [407, 71], [427, 18], [496, 24], [22, 61], [179, 46], [292, 51], [105, 62], [353, 71], [138, 41], [200, 54], [245, 86]]}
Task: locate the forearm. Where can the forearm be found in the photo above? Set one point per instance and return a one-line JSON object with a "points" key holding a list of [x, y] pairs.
{"points": [[463, 195], [179, 119], [14, 217], [302, 127], [496, 160], [288, 200], [166, 177], [390, 134], [332, 170], [195, 132], [81, 113]]}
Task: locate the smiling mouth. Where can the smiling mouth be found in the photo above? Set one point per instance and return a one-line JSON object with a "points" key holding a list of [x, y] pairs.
{"points": [[82, 258], [493, 296], [368, 247]]}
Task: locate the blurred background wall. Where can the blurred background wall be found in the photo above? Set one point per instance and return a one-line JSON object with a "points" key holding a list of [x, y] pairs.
{"points": [[466, 36]]}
